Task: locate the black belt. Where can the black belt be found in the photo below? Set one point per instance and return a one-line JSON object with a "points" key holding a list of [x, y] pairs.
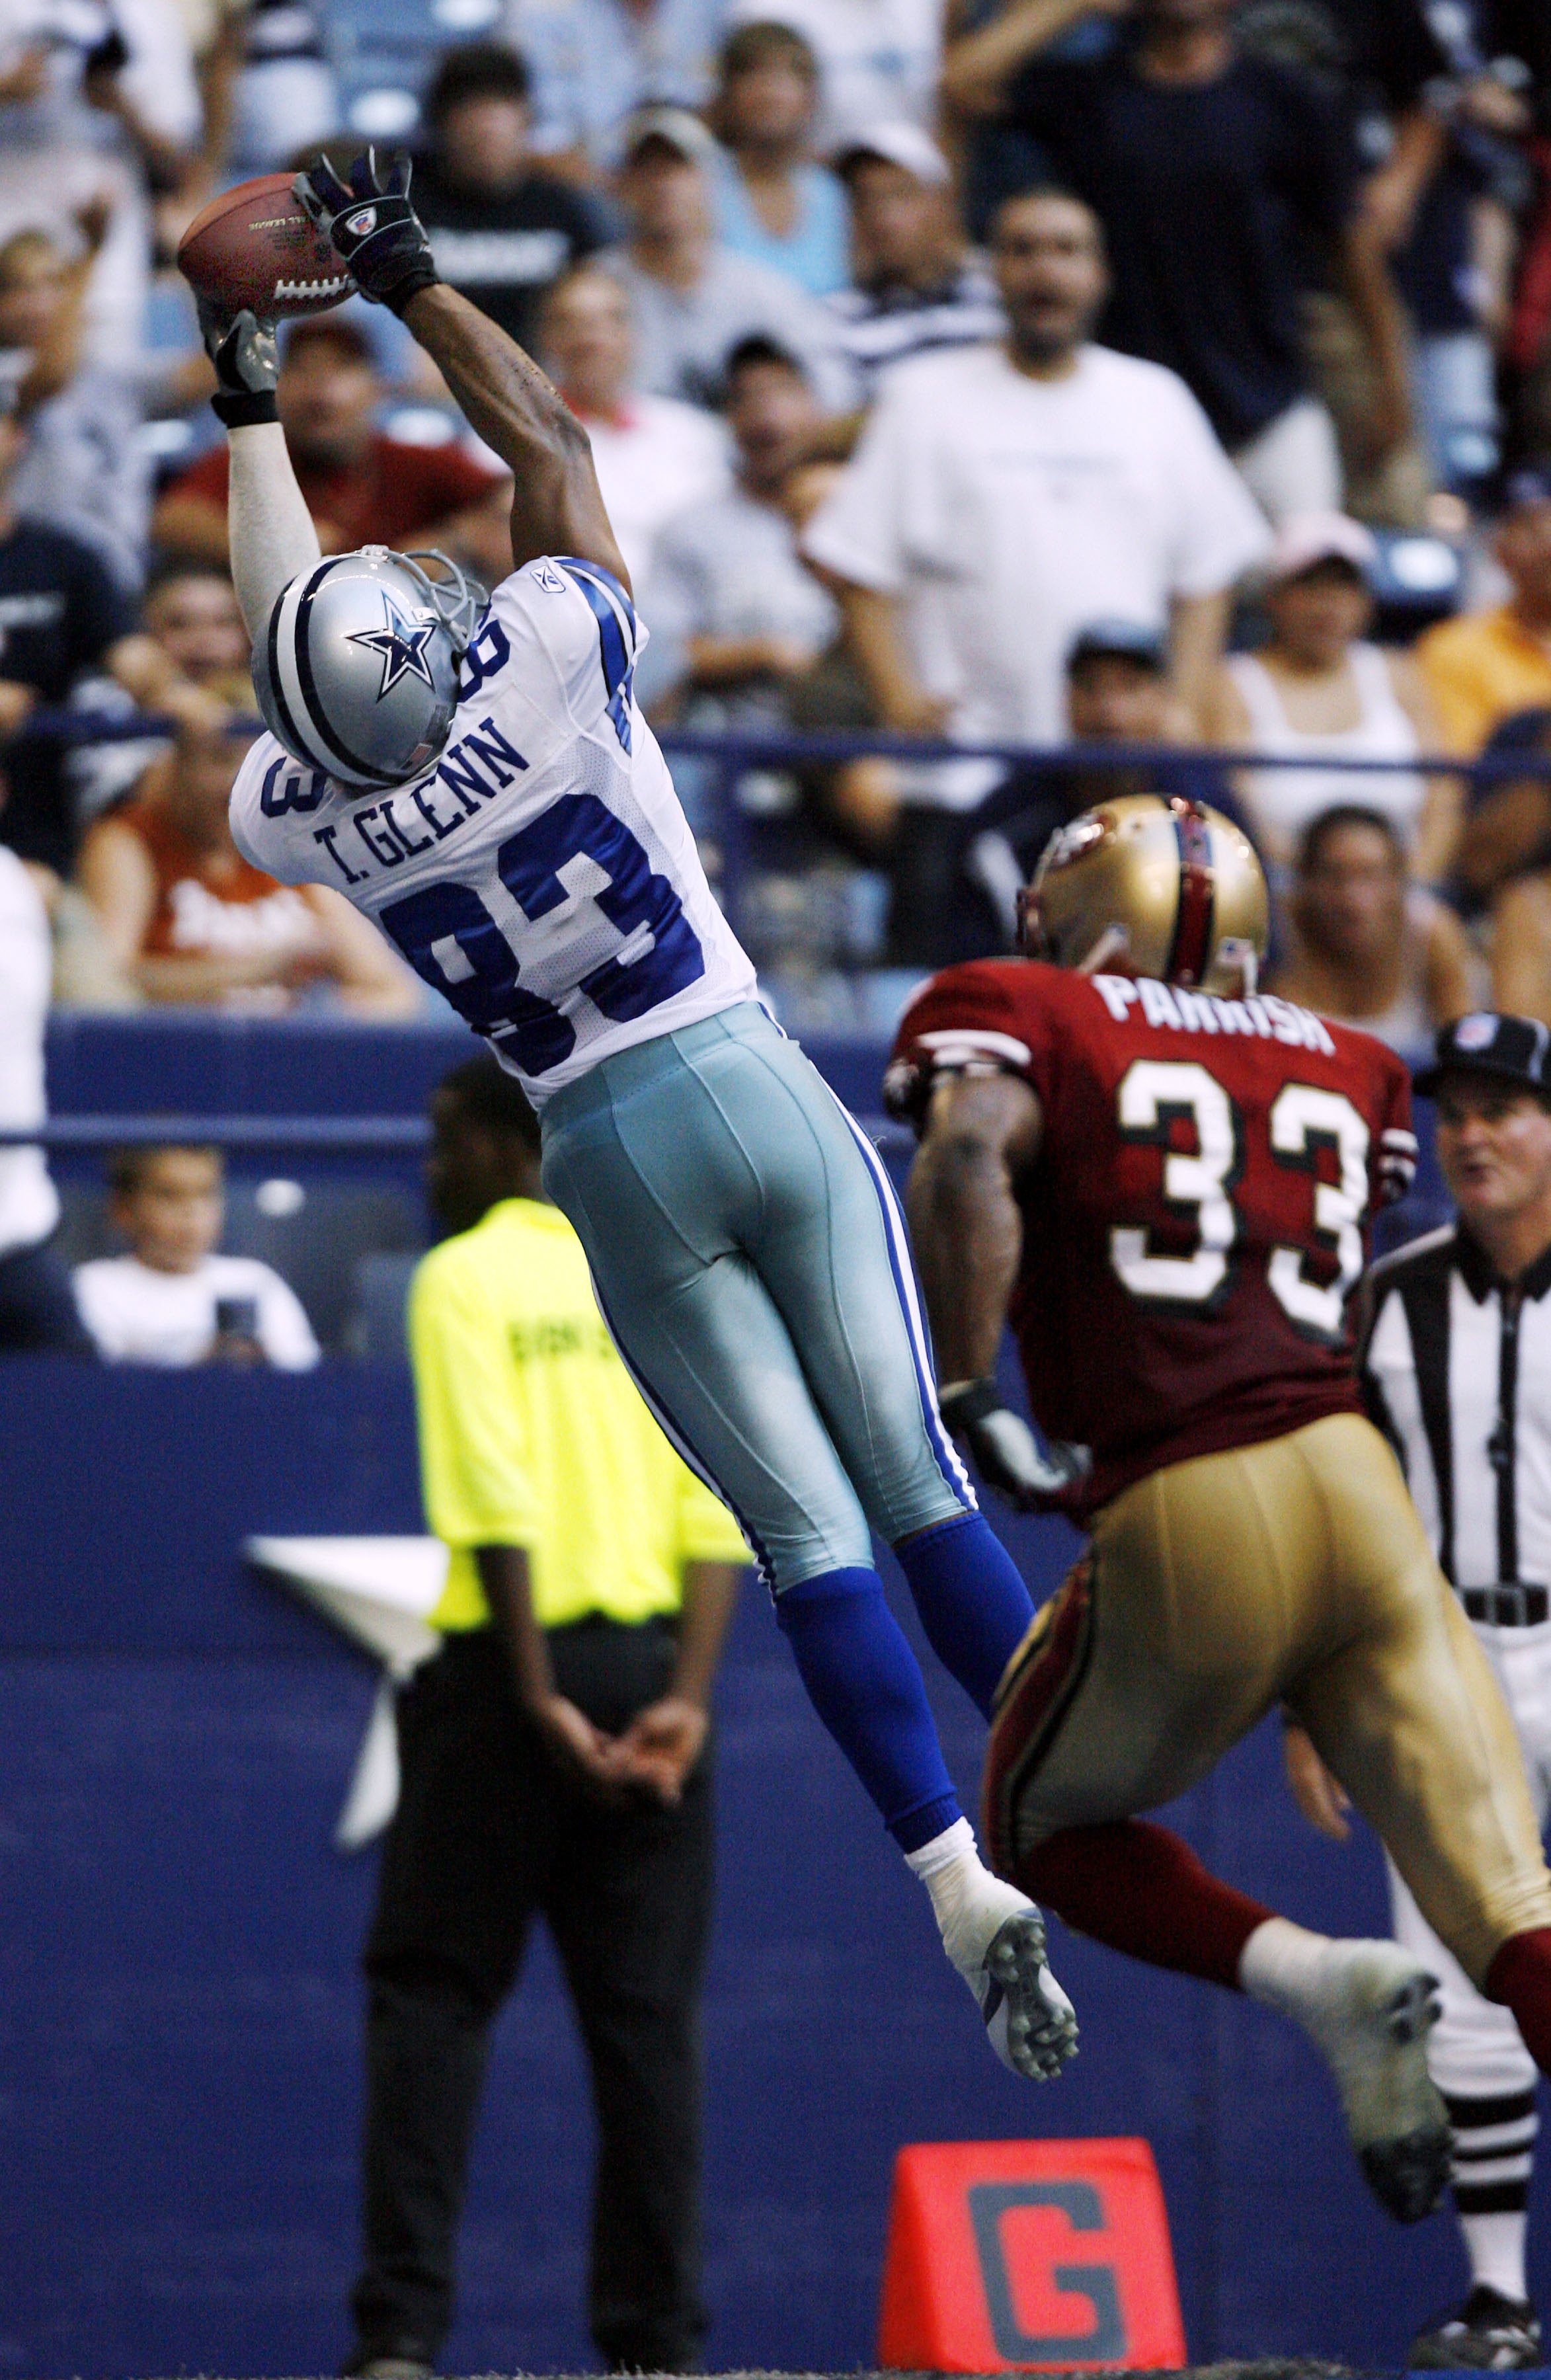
{"points": [[1506, 1606]]}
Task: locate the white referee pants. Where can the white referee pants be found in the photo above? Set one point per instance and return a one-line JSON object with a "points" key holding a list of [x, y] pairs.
{"points": [[1474, 2051]]}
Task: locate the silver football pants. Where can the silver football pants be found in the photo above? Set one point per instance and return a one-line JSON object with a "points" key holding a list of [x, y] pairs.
{"points": [[750, 1261]]}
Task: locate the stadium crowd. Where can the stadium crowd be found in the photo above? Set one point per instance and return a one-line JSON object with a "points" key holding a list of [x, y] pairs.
{"points": [[1104, 395], [1040, 374], [1107, 387]]}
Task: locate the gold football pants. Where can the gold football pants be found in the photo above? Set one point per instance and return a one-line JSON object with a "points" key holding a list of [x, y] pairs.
{"points": [[1295, 1571]]}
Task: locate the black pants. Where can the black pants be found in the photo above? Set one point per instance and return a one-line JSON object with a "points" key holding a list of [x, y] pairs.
{"points": [[488, 1831]]}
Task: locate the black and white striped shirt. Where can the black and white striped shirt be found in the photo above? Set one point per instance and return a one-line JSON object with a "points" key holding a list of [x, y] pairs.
{"points": [[1456, 1371], [878, 328]]}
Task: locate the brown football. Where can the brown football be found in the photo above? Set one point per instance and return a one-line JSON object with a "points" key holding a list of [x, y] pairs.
{"points": [[255, 246]]}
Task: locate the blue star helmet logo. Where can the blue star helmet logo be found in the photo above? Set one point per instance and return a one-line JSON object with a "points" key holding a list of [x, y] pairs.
{"points": [[401, 646]]}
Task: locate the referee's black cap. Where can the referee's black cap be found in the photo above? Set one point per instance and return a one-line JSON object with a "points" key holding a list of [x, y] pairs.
{"points": [[1510, 1048]]}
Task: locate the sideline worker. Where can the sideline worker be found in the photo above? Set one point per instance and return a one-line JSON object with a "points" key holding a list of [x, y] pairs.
{"points": [[1456, 1370], [553, 1758]]}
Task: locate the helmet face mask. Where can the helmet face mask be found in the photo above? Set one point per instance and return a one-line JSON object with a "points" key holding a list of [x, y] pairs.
{"points": [[357, 674], [1150, 885]]}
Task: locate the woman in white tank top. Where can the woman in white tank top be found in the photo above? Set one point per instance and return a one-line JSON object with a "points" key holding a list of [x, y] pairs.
{"points": [[1366, 947], [1317, 692]]}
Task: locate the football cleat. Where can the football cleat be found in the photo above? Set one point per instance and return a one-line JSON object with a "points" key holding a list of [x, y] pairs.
{"points": [[1490, 2333], [1376, 2007], [1029, 2021]]}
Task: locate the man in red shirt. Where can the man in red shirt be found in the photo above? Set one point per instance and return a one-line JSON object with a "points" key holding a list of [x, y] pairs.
{"points": [[1164, 1184], [361, 488]]}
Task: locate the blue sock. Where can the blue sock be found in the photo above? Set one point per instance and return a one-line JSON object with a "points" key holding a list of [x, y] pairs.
{"points": [[973, 1606], [863, 1681]]}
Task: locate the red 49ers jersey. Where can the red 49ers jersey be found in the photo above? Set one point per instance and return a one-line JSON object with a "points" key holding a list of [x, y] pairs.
{"points": [[1199, 1214]]}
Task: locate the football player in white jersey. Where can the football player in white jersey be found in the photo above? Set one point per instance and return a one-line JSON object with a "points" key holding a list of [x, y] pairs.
{"points": [[486, 790]]}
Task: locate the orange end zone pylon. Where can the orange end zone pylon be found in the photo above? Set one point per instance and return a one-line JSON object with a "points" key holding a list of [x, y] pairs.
{"points": [[1014, 2253]]}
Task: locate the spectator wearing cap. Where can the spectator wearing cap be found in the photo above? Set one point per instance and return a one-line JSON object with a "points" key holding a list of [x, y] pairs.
{"points": [[691, 298], [736, 611], [878, 59], [1521, 943], [1505, 862], [1508, 831], [1482, 669], [502, 231], [1320, 694], [1216, 175], [1003, 497], [917, 284], [1365, 944], [85, 471], [654, 457], [773, 201], [361, 487], [596, 62], [1118, 693]]}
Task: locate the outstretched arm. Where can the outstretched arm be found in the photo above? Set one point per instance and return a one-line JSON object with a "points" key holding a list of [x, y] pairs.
{"points": [[556, 506], [269, 529], [556, 503]]}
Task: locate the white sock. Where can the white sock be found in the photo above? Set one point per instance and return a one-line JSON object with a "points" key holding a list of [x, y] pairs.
{"points": [[1282, 1966], [1495, 2244], [968, 1901]]}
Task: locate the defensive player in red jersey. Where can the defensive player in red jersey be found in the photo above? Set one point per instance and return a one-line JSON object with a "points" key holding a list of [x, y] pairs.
{"points": [[1167, 1190]]}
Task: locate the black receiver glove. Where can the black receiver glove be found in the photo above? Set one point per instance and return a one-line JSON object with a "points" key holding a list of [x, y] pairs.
{"points": [[1007, 1453], [372, 227], [242, 348]]}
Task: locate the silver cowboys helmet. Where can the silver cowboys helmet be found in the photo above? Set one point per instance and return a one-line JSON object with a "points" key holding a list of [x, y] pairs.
{"points": [[357, 674]]}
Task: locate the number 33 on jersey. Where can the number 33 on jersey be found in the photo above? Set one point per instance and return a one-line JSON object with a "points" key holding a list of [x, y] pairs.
{"points": [[540, 876], [1199, 1214]]}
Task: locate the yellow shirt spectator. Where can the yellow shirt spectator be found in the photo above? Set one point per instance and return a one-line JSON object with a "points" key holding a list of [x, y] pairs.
{"points": [[532, 1433], [1479, 670]]}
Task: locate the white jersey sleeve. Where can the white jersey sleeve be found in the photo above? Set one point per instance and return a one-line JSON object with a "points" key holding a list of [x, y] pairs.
{"points": [[542, 876]]}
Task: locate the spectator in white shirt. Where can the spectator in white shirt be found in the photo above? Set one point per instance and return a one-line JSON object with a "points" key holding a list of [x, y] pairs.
{"points": [[1003, 497], [878, 59], [691, 298], [36, 1313], [654, 456], [172, 1300]]}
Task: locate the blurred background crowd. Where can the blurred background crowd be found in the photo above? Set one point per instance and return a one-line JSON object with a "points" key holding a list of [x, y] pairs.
{"points": [[1026, 378]]}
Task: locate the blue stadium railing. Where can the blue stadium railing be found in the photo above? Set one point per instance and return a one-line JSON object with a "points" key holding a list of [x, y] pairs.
{"points": [[726, 757]]}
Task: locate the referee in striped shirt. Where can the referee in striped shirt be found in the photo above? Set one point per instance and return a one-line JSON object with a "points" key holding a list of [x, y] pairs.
{"points": [[1456, 1369]]}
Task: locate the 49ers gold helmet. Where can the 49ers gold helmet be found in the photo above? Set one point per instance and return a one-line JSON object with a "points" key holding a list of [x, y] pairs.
{"points": [[1151, 885]]}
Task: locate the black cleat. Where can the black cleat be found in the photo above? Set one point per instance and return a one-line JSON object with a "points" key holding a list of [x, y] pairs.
{"points": [[1490, 2333]]}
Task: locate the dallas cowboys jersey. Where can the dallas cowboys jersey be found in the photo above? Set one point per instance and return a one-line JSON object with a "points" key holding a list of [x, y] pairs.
{"points": [[541, 876]]}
